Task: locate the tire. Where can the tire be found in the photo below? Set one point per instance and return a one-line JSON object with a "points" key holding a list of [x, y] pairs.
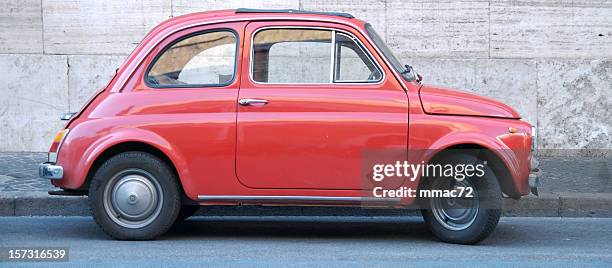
{"points": [[134, 196], [186, 212], [477, 217]]}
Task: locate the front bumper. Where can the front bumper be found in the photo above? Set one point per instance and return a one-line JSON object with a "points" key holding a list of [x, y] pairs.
{"points": [[50, 171], [534, 176]]}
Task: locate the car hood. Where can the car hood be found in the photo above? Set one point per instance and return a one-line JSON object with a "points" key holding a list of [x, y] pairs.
{"points": [[436, 100]]}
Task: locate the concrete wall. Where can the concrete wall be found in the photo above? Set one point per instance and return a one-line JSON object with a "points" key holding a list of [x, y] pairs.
{"points": [[551, 59]]}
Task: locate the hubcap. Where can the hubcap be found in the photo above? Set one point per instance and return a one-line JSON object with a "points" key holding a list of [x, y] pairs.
{"points": [[455, 213], [133, 198]]}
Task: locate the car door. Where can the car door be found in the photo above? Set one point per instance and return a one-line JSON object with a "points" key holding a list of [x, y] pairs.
{"points": [[186, 95], [312, 102]]}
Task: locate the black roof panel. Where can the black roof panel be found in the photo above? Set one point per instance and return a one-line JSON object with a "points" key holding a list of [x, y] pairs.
{"points": [[294, 11]]}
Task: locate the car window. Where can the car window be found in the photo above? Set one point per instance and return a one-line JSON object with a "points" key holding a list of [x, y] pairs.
{"points": [[309, 56], [352, 63], [292, 56], [202, 59]]}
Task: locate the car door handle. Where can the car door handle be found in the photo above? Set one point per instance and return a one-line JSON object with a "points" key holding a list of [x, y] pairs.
{"points": [[246, 102]]}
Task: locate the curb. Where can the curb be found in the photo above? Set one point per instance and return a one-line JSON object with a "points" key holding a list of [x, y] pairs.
{"points": [[596, 205]]}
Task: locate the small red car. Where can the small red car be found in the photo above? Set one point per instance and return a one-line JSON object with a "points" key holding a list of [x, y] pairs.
{"points": [[279, 107]]}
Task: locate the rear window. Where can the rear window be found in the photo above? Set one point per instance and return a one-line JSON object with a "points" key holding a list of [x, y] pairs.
{"points": [[203, 59]]}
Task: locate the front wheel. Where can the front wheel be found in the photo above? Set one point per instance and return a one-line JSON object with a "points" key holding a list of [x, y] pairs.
{"points": [[464, 220], [134, 196]]}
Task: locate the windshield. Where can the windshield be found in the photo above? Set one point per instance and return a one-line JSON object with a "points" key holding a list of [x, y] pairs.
{"points": [[384, 49]]}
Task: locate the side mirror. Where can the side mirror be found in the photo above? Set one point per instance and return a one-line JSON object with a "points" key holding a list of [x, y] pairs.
{"points": [[419, 77], [409, 69]]}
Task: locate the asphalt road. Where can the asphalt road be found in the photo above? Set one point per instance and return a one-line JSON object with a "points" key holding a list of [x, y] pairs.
{"points": [[319, 241]]}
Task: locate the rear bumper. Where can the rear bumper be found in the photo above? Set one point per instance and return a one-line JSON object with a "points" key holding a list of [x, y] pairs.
{"points": [[534, 176], [50, 171]]}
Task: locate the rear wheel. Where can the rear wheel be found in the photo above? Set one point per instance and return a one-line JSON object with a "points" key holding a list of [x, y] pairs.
{"points": [[464, 220], [134, 196]]}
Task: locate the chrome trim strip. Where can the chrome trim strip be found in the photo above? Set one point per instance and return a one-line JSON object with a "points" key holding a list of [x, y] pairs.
{"points": [[333, 57], [132, 67], [255, 198]]}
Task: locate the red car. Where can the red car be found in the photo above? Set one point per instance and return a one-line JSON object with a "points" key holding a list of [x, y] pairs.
{"points": [[281, 107]]}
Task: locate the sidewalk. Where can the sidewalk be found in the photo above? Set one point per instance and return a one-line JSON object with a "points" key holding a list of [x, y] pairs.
{"points": [[570, 187]]}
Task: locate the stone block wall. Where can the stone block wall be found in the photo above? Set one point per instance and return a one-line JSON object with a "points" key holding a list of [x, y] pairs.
{"points": [[550, 59]]}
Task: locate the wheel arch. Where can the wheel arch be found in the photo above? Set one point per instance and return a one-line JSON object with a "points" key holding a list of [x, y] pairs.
{"points": [[126, 147], [494, 161], [132, 145]]}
